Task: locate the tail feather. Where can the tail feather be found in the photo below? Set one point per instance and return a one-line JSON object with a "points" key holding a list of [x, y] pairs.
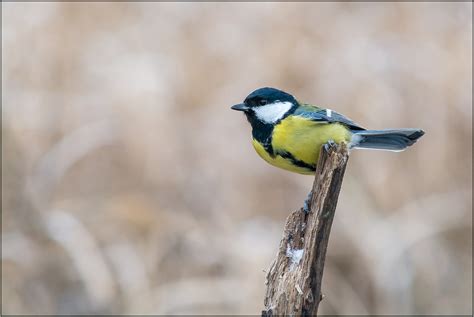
{"points": [[390, 140]]}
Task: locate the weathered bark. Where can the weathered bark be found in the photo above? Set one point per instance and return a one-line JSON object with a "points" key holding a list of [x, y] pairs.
{"points": [[295, 276]]}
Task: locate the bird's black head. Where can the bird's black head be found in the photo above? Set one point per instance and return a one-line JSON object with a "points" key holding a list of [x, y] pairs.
{"points": [[267, 96], [267, 106]]}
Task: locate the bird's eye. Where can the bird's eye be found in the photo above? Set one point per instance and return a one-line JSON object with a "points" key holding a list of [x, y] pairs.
{"points": [[262, 102]]}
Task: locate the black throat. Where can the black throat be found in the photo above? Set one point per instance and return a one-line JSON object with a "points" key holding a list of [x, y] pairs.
{"points": [[262, 132]]}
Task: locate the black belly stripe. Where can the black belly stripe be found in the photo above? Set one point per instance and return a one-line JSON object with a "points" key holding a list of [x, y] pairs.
{"points": [[299, 163]]}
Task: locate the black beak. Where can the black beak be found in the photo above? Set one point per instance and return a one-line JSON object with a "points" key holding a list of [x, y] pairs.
{"points": [[240, 107]]}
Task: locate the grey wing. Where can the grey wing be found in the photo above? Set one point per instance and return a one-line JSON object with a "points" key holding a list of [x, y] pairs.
{"points": [[325, 115]]}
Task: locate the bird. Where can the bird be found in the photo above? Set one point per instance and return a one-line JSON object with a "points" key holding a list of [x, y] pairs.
{"points": [[289, 134]]}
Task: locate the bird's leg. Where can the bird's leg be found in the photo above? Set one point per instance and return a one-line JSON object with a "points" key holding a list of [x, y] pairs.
{"points": [[307, 203], [329, 144]]}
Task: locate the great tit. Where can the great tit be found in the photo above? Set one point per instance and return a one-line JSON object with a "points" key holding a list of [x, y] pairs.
{"points": [[289, 134]]}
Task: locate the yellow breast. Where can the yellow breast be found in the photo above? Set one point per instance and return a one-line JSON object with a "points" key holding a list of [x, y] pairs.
{"points": [[302, 139]]}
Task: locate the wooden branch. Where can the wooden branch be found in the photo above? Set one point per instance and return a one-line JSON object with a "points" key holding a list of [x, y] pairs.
{"points": [[295, 276]]}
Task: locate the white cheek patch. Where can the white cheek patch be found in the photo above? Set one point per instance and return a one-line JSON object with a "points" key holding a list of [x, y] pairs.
{"points": [[273, 112]]}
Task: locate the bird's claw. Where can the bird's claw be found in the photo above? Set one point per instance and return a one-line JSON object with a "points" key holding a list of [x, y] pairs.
{"points": [[307, 203], [306, 207], [329, 144]]}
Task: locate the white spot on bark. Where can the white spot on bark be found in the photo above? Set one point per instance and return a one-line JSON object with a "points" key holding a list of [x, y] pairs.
{"points": [[295, 256]]}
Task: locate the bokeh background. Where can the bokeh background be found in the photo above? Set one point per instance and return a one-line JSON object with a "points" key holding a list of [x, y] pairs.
{"points": [[129, 186]]}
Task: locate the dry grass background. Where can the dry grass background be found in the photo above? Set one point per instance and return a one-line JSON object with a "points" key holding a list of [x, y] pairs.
{"points": [[129, 186]]}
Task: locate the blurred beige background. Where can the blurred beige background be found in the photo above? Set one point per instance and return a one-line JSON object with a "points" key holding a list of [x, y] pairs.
{"points": [[129, 186]]}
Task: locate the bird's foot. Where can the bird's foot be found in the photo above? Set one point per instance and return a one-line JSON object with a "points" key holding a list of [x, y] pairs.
{"points": [[307, 203], [329, 144]]}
